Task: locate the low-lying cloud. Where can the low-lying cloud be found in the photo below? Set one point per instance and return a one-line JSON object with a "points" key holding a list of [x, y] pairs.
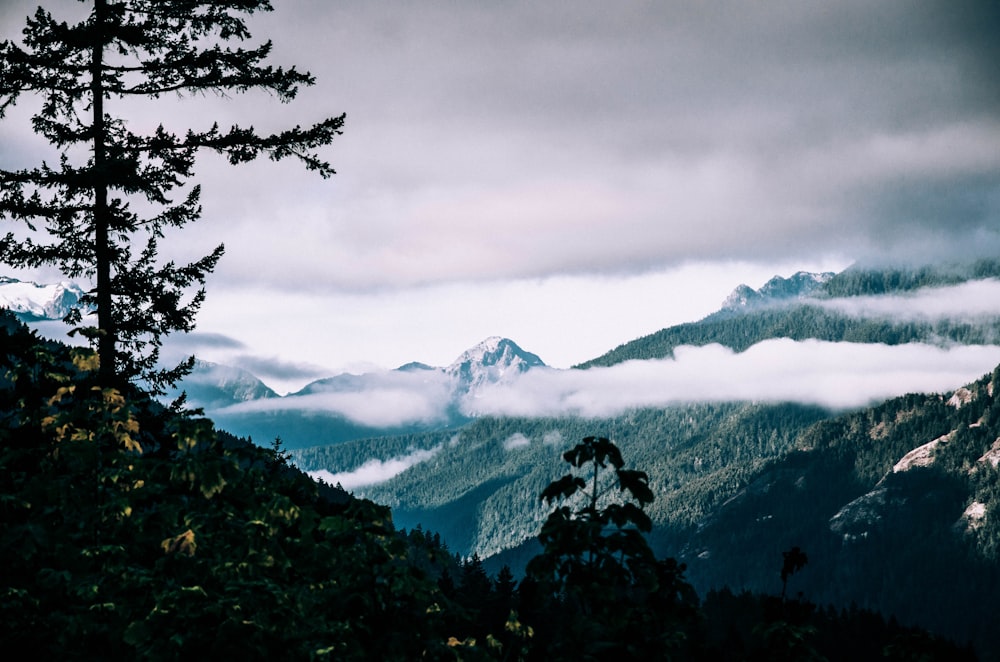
{"points": [[969, 300], [516, 440], [270, 367], [837, 375], [834, 375], [385, 399], [374, 471]]}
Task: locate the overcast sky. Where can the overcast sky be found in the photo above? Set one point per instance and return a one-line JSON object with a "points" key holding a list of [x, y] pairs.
{"points": [[577, 174]]}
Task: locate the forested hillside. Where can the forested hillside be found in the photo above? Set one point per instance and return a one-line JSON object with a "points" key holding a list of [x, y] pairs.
{"points": [[131, 531], [895, 504], [862, 281], [128, 531], [898, 505], [479, 490], [808, 318]]}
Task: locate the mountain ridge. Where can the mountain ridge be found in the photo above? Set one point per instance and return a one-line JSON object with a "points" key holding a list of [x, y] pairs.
{"points": [[778, 289], [799, 308]]}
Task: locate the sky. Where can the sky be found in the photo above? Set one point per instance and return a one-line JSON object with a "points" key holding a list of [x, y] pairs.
{"points": [[574, 175]]}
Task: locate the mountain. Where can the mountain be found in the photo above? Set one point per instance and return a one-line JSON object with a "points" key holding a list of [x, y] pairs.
{"points": [[318, 570], [777, 290], [213, 386], [495, 360], [416, 398], [133, 532], [896, 505], [804, 307], [32, 301]]}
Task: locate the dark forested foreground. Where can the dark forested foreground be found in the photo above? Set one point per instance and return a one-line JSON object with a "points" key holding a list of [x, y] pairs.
{"points": [[130, 531]]}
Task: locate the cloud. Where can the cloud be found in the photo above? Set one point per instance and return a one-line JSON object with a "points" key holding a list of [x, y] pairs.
{"points": [[553, 438], [374, 471], [490, 144], [970, 300], [385, 399], [830, 374], [835, 375], [526, 140], [272, 367], [196, 342], [516, 440]]}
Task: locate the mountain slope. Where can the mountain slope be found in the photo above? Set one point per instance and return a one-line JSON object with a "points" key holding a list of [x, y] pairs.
{"points": [[897, 506], [131, 532], [800, 308], [480, 488]]}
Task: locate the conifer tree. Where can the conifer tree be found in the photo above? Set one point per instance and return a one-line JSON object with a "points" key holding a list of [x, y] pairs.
{"points": [[100, 211]]}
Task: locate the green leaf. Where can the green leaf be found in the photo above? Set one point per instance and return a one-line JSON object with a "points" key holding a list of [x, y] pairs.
{"points": [[563, 488], [637, 484]]}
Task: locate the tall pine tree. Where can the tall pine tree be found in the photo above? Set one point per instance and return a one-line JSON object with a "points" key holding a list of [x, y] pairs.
{"points": [[99, 212]]}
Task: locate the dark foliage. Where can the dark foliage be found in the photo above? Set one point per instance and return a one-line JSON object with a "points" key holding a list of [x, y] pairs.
{"points": [[101, 211], [128, 531]]}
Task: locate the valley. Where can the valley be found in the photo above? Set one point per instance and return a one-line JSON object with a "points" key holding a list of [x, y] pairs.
{"points": [[894, 499]]}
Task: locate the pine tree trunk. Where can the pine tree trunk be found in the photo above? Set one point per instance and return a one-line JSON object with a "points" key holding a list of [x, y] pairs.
{"points": [[102, 249]]}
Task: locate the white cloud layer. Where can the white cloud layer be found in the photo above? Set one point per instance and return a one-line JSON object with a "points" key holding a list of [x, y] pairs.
{"points": [[374, 471], [516, 440], [384, 399], [974, 299], [835, 375]]}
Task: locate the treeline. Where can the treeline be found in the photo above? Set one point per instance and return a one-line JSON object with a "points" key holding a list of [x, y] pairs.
{"points": [[132, 531], [800, 321], [595, 590], [860, 281], [724, 626]]}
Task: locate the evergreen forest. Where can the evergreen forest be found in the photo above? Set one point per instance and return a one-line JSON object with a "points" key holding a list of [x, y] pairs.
{"points": [[133, 528]]}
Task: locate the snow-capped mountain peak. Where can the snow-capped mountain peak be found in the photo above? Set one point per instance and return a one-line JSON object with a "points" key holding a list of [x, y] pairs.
{"points": [[38, 302], [494, 360]]}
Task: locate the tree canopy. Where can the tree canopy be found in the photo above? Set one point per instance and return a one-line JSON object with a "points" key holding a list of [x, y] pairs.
{"points": [[101, 209]]}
